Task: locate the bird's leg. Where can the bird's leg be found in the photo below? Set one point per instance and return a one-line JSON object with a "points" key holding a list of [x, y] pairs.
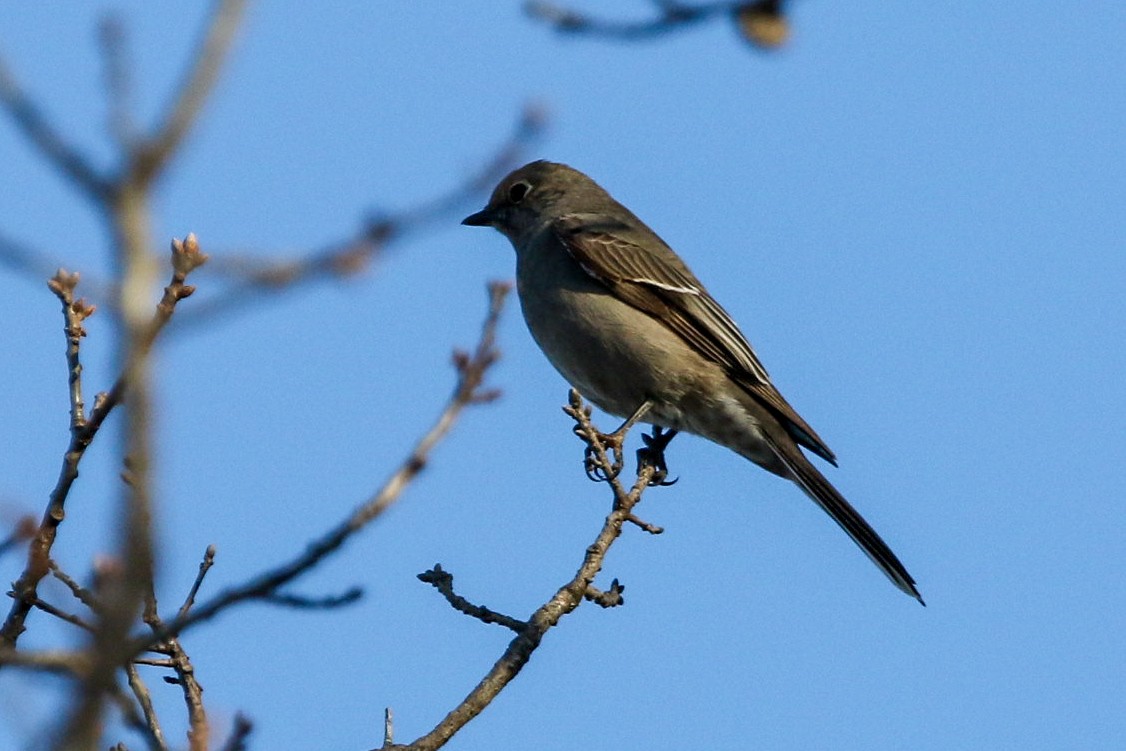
{"points": [[613, 443], [653, 455]]}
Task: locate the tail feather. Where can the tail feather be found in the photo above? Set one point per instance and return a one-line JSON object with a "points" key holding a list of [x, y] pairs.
{"points": [[834, 504]]}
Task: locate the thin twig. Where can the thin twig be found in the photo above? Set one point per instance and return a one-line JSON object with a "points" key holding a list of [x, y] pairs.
{"points": [[150, 726], [443, 581], [154, 662], [62, 615], [471, 372], [186, 258], [179, 661], [204, 566], [25, 589], [565, 600], [82, 594]]}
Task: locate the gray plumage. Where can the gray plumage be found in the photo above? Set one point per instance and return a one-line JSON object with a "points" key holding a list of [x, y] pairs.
{"points": [[625, 321]]}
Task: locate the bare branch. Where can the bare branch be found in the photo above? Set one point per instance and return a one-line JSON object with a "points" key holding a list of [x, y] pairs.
{"points": [[61, 615], [204, 566], [150, 725], [565, 600], [443, 581], [471, 375], [652, 529], [75, 312], [152, 156], [83, 595]]}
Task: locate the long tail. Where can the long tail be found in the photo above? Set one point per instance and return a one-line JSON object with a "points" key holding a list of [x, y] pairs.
{"points": [[834, 504]]}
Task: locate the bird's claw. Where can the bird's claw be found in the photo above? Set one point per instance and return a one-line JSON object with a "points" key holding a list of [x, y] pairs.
{"points": [[653, 455]]}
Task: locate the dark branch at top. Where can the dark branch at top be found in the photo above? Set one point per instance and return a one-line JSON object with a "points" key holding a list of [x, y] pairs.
{"points": [[760, 22]]}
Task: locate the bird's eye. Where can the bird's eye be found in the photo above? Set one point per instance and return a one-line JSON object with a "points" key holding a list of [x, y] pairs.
{"points": [[517, 192]]}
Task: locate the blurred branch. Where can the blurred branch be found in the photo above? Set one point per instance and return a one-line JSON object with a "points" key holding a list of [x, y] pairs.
{"points": [[150, 157], [326, 602], [239, 734], [30, 121], [118, 81], [251, 274], [761, 22], [23, 529], [565, 600], [471, 369]]}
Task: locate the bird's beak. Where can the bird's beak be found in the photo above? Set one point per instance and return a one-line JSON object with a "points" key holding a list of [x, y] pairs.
{"points": [[482, 218]]}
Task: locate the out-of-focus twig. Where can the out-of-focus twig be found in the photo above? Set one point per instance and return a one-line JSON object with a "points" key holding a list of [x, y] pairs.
{"points": [[118, 81], [23, 529], [760, 22], [252, 274], [324, 602], [50, 142], [210, 53], [239, 733]]}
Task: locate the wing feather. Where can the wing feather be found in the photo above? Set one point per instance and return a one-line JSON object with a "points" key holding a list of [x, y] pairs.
{"points": [[654, 280]]}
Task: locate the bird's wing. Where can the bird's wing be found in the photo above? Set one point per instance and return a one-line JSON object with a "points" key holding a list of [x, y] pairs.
{"points": [[655, 281]]}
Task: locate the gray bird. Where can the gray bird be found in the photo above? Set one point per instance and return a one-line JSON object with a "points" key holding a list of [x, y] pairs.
{"points": [[625, 321]]}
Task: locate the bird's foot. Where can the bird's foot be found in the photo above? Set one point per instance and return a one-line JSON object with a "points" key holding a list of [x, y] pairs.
{"points": [[653, 455]]}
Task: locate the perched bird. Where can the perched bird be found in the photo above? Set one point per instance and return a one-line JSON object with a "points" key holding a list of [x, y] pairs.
{"points": [[625, 321]]}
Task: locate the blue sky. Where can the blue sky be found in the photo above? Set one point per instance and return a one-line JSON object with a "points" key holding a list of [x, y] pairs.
{"points": [[915, 214]]}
